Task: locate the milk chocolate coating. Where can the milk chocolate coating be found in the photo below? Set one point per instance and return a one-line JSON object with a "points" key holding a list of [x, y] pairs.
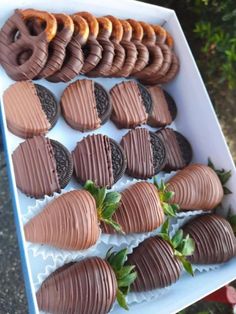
{"points": [[12, 48], [155, 264], [73, 212], [57, 48], [156, 59], [178, 149], [171, 73], [35, 167], [105, 64], [24, 112], [93, 160], [142, 57], [87, 287], [131, 54], [128, 105], [139, 211], [73, 61], [164, 108], [214, 239], [196, 187], [118, 59], [79, 106], [92, 52], [145, 153]]}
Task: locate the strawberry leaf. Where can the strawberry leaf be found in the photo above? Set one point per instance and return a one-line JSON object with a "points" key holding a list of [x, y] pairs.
{"points": [[169, 210], [168, 196], [121, 299], [165, 227], [100, 197], [125, 271], [118, 260], [113, 224], [112, 198], [177, 238], [226, 190], [127, 280], [109, 210], [223, 176], [188, 247], [186, 264]]}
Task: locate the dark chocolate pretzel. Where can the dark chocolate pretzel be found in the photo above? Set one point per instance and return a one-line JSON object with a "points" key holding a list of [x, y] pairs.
{"points": [[104, 65], [119, 51], [92, 50], [155, 53], [22, 55], [73, 61], [130, 51], [143, 53], [57, 47]]}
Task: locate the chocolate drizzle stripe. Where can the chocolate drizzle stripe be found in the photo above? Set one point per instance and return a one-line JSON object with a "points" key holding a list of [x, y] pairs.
{"points": [[128, 108], [24, 113], [138, 150], [140, 209], [87, 287], [92, 160], [79, 105], [160, 115], [35, 167]]}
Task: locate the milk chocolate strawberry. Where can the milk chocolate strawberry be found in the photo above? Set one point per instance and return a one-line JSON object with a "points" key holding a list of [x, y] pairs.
{"points": [[142, 208], [89, 286], [71, 221], [159, 260], [214, 238], [198, 187]]}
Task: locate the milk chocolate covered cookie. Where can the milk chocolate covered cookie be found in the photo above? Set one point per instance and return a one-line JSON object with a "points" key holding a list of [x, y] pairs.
{"points": [[42, 166], [131, 104], [100, 159], [85, 105], [31, 109], [145, 153]]}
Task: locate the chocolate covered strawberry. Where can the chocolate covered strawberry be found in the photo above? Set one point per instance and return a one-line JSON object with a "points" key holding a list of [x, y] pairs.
{"points": [[159, 260], [89, 286], [214, 238], [198, 187], [71, 221], [142, 208]]}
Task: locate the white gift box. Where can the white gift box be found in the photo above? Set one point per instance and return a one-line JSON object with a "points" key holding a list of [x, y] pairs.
{"points": [[196, 119]]}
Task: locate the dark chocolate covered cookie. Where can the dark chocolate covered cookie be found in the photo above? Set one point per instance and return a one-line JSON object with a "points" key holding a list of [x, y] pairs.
{"points": [[85, 105], [100, 159], [145, 153], [31, 109], [131, 104], [42, 166]]}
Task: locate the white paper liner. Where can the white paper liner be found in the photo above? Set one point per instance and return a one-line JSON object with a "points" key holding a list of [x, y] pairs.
{"points": [[46, 251], [179, 222]]}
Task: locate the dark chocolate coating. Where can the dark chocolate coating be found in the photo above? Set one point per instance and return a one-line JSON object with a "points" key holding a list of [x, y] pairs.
{"points": [[105, 64], [64, 291], [31, 50], [64, 163], [214, 239], [178, 149], [155, 264], [92, 52], [49, 104]]}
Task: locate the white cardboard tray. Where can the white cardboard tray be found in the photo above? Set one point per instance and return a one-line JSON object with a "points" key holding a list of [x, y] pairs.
{"points": [[196, 119]]}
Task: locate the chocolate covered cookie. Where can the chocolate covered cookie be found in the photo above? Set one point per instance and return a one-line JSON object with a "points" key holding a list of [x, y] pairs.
{"points": [[42, 166], [30, 109], [178, 149], [131, 104], [145, 153], [164, 109], [22, 55], [85, 105], [100, 159]]}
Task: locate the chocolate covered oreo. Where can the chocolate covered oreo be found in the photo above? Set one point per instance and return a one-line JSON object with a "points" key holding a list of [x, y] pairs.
{"points": [[85, 105], [131, 104], [100, 159], [31, 109], [145, 153], [178, 149], [164, 107], [42, 166]]}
